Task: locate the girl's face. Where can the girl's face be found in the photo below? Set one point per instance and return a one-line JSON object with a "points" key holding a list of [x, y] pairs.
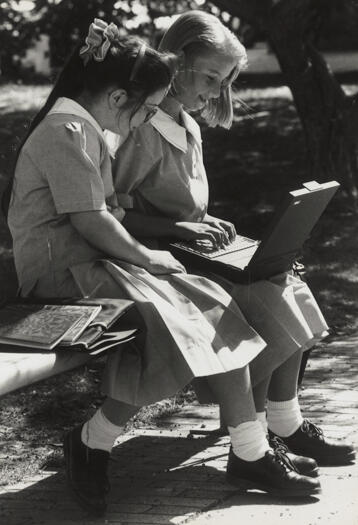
{"points": [[203, 78], [124, 120]]}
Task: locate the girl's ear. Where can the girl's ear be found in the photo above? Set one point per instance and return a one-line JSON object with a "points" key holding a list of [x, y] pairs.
{"points": [[118, 98]]}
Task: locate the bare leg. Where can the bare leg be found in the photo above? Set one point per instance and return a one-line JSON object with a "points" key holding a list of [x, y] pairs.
{"points": [[234, 395], [260, 394], [235, 409], [283, 384], [117, 412], [231, 389], [283, 410]]}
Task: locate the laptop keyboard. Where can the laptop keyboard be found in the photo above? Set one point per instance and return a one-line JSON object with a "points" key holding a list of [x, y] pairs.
{"points": [[239, 243]]}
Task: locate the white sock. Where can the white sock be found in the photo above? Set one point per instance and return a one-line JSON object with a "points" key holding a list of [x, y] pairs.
{"points": [[261, 416], [284, 417], [249, 440], [99, 432]]}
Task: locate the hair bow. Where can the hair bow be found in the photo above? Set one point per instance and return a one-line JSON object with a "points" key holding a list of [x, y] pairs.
{"points": [[98, 41]]}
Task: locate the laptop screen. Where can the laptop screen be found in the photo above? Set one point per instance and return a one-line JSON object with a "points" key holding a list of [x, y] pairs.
{"points": [[294, 220]]}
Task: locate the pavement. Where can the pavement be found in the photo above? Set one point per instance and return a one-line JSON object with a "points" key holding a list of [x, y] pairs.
{"points": [[166, 475]]}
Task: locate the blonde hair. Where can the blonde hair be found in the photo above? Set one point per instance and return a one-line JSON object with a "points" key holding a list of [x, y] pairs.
{"points": [[205, 30]]}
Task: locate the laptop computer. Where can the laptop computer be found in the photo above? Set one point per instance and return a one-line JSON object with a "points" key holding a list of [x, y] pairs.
{"points": [[247, 260]]}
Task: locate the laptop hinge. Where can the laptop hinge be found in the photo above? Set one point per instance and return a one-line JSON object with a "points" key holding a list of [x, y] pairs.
{"points": [[311, 185]]}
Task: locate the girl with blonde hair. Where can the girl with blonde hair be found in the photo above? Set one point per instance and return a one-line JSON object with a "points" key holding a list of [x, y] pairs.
{"points": [[160, 181]]}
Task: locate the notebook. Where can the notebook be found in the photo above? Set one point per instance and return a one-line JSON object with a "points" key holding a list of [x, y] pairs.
{"points": [[44, 326], [247, 260], [116, 322]]}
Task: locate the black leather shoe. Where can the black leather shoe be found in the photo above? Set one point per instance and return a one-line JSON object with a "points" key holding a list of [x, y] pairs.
{"points": [[303, 465], [273, 473], [309, 441], [86, 471]]}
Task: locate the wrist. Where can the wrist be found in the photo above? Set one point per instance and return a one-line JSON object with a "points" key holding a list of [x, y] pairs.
{"points": [[209, 219], [145, 257], [177, 228]]}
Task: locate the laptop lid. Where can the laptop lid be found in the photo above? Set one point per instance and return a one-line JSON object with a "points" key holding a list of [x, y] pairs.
{"points": [[293, 221]]}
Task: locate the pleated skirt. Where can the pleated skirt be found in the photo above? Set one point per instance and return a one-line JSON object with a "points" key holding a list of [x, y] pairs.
{"points": [[193, 327]]}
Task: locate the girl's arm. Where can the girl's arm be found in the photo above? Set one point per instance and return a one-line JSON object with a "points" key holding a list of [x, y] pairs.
{"points": [[103, 231], [143, 225]]}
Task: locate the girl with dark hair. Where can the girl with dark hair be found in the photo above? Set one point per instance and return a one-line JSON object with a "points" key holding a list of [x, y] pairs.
{"points": [[69, 241], [62, 213]]}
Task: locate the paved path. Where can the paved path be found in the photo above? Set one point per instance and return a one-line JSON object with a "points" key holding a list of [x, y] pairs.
{"points": [[160, 476]]}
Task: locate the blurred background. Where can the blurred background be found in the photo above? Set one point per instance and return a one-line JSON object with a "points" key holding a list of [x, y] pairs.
{"points": [[36, 36]]}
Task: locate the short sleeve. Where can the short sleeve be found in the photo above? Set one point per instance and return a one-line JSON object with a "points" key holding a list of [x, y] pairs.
{"points": [[71, 163]]}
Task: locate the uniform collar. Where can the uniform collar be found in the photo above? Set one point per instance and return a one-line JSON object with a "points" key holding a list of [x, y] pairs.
{"points": [[173, 132], [71, 107]]}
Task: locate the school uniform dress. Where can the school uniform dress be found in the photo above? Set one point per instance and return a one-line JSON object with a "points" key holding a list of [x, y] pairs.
{"points": [[190, 327], [159, 170]]}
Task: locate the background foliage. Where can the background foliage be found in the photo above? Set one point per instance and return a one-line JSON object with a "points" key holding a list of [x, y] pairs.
{"points": [[66, 21]]}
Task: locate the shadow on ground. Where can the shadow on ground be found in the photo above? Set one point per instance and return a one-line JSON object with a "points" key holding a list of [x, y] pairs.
{"points": [[149, 482]]}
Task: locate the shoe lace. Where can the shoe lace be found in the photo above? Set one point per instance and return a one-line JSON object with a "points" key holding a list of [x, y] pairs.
{"points": [[278, 445], [311, 429], [283, 460]]}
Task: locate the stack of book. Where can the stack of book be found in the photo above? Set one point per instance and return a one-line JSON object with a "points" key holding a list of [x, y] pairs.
{"points": [[83, 325]]}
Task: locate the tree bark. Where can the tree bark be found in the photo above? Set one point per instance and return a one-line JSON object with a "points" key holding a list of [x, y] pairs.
{"points": [[328, 115]]}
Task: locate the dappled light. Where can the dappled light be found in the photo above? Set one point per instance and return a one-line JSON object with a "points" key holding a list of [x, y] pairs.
{"points": [[249, 167]]}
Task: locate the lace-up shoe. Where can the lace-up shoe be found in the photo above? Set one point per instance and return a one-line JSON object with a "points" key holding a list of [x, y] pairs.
{"points": [[86, 471], [303, 465], [309, 441], [274, 473]]}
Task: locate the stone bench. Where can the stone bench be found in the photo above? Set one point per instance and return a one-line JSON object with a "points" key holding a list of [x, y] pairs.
{"points": [[20, 367]]}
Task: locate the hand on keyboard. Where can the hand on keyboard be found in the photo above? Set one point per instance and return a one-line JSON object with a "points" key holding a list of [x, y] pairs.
{"points": [[226, 227], [205, 248], [216, 236]]}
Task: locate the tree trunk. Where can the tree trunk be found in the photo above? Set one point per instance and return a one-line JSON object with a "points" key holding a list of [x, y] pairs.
{"points": [[328, 115]]}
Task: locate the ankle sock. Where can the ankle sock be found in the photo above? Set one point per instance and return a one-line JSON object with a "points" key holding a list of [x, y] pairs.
{"points": [[284, 417], [261, 416], [99, 432], [248, 440]]}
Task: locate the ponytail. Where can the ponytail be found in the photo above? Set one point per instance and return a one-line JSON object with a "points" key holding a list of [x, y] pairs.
{"points": [[105, 60]]}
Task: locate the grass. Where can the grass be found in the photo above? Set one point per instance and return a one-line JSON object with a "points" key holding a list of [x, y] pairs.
{"points": [[249, 168]]}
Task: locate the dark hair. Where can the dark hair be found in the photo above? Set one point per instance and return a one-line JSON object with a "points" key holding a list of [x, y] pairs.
{"points": [[154, 70]]}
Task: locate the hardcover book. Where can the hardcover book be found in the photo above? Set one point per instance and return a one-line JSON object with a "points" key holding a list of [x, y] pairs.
{"points": [[44, 326]]}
